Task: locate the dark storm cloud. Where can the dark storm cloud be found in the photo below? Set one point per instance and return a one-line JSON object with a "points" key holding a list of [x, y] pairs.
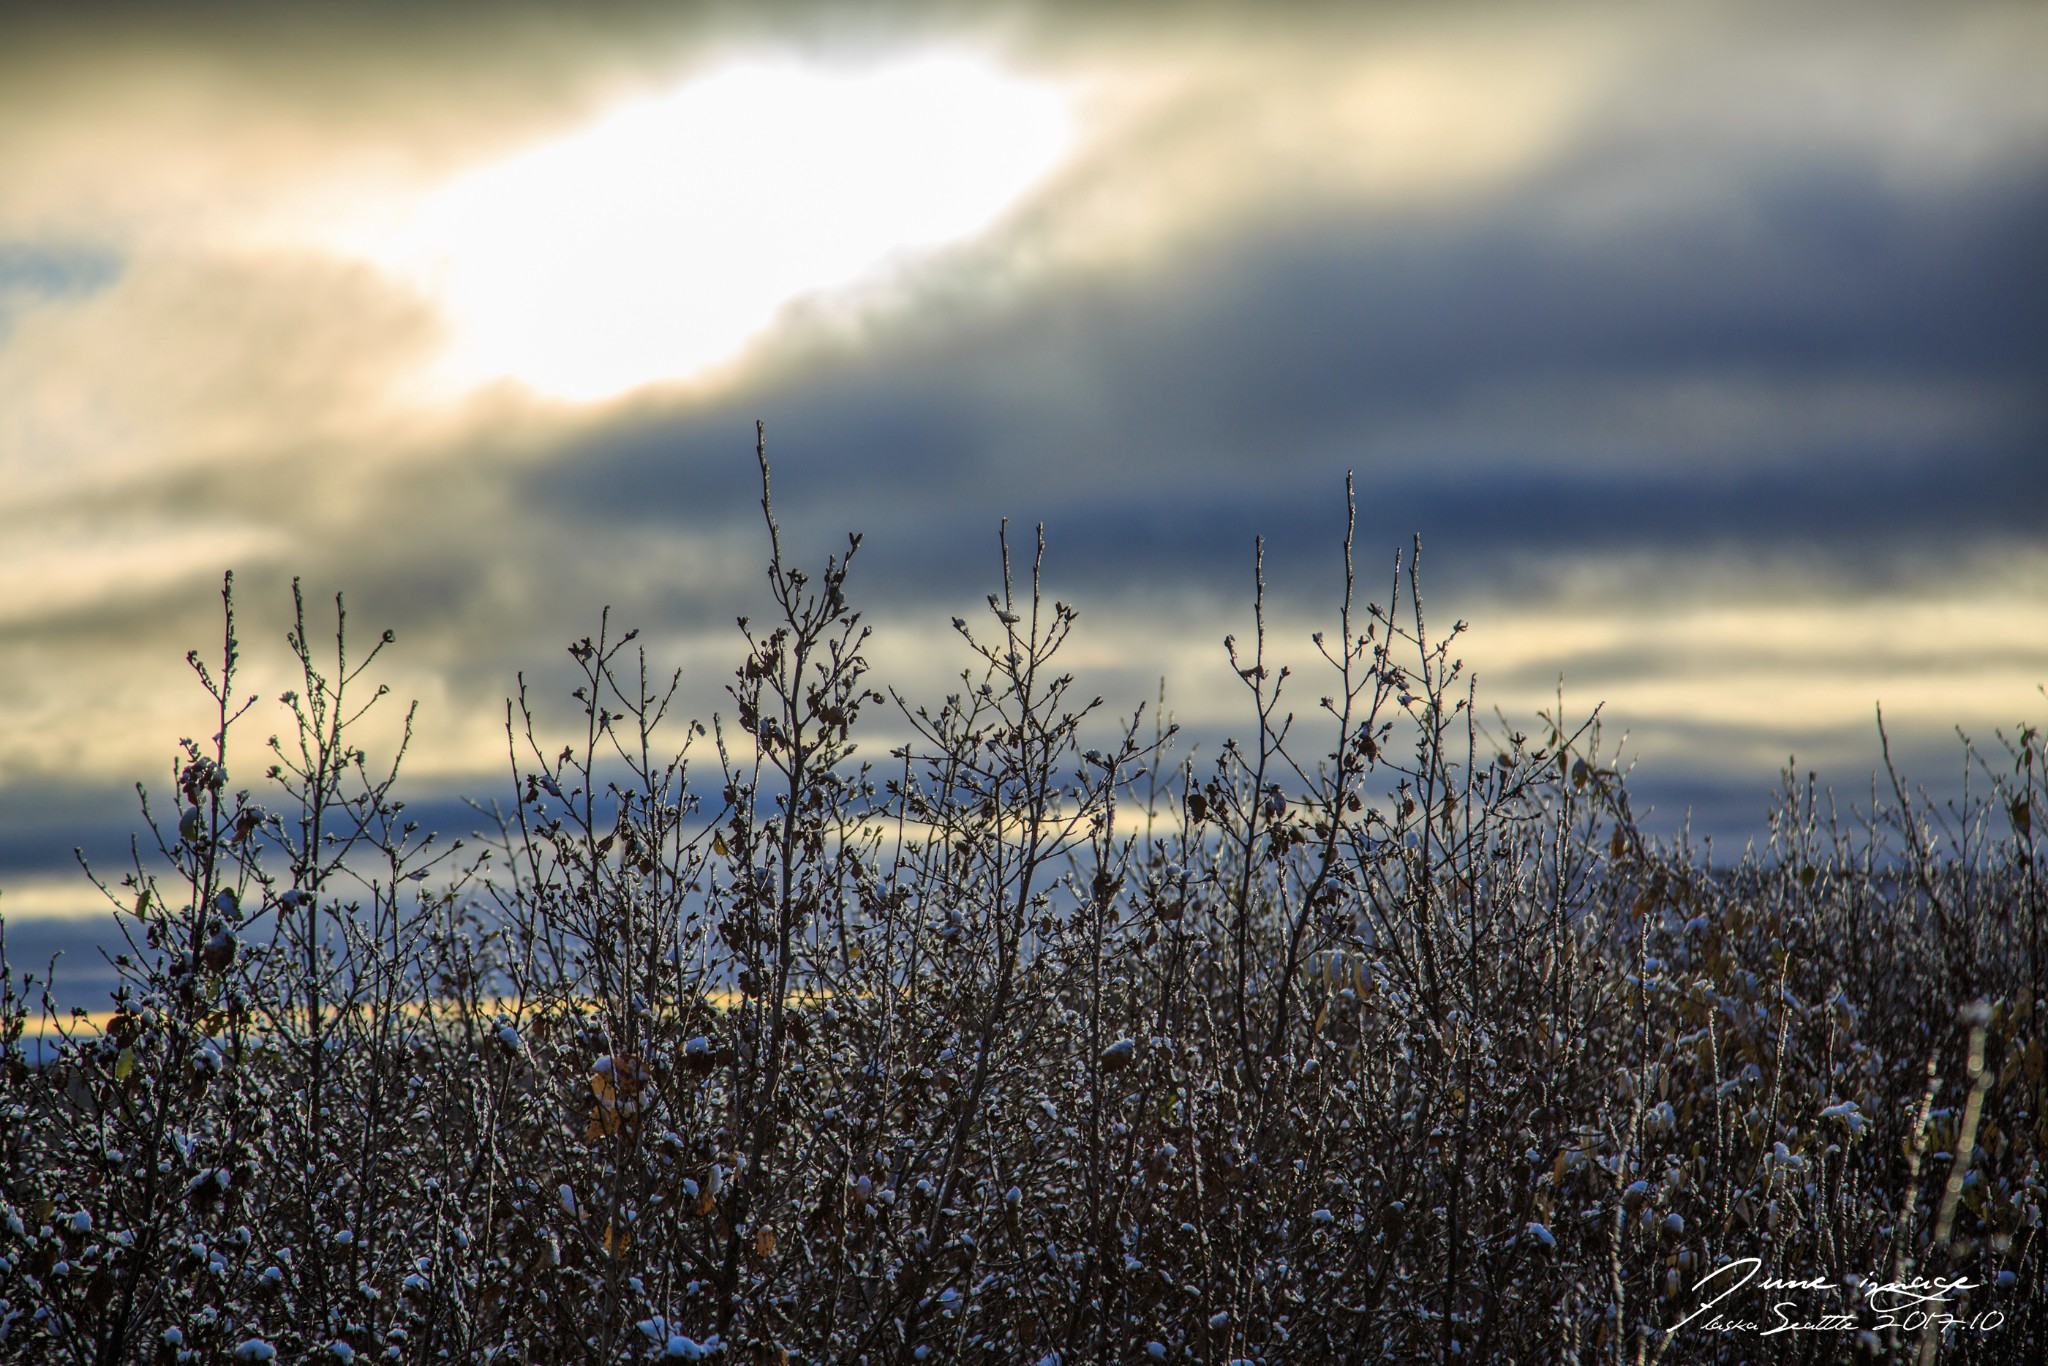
{"points": [[79, 948], [1871, 356], [40, 827]]}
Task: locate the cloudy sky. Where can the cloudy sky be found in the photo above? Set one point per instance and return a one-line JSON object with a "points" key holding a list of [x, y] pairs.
{"points": [[1702, 344]]}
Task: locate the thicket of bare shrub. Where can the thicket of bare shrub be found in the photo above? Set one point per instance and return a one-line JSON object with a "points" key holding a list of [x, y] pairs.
{"points": [[1381, 1034]]}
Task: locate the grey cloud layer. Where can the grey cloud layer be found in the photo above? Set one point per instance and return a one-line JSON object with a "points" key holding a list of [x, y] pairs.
{"points": [[1487, 380]]}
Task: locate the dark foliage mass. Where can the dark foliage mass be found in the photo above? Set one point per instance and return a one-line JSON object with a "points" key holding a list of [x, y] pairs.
{"points": [[1384, 1034]]}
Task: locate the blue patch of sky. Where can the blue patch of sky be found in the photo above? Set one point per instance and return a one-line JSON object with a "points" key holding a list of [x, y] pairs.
{"points": [[33, 273]]}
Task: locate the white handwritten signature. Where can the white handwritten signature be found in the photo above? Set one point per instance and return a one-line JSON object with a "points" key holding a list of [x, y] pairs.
{"points": [[1917, 1297]]}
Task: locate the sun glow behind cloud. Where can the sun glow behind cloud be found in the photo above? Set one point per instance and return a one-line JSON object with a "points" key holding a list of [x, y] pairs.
{"points": [[658, 243]]}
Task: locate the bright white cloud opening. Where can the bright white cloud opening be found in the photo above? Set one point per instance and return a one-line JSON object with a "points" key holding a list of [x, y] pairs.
{"points": [[661, 241]]}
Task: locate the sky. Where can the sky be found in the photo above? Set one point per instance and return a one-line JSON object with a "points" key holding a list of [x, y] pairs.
{"points": [[1702, 345]]}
